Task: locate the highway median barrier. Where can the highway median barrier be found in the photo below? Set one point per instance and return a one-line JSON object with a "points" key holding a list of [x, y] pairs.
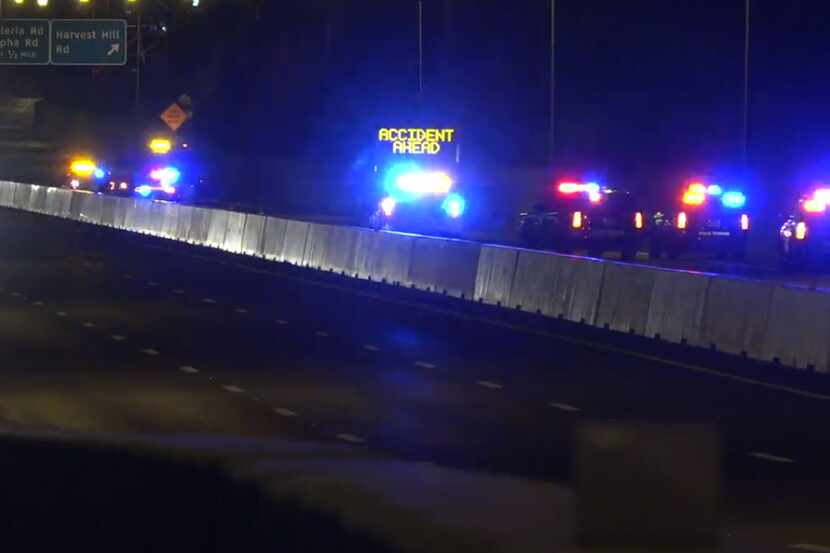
{"points": [[183, 223], [37, 199], [273, 238], [21, 195], [293, 247], [798, 328], [331, 248], [675, 312], [217, 229], [234, 232], [108, 210], [170, 220], [735, 316], [625, 297], [494, 277], [252, 236], [383, 256], [199, 225], [444, 265]]}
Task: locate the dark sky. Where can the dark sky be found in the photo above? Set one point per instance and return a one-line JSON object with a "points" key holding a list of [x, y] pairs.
{"points": [[647, 90]]}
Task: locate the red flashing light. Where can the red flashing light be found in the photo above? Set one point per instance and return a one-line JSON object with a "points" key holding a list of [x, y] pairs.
{"points": [[813, 205], [569, 187]]}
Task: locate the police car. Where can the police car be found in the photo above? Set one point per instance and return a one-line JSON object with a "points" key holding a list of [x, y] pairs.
{"points": [[710, 218], [585, 216]]}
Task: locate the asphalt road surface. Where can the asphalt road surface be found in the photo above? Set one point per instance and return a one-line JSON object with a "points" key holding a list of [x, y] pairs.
{"points": [[107, 332]]}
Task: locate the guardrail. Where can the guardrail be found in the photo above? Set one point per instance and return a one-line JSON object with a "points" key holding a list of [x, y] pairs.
{"points": [[762, 320]]}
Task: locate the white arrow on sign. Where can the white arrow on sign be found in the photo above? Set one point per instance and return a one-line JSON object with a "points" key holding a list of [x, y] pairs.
{"points": [[114, 49]]}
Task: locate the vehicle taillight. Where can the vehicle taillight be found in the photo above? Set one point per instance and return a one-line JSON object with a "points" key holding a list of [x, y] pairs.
{"points": [[638, 220], [801, 231], [814, 205], [569, 187], [744, 222], [681, 220], [576, 220]]}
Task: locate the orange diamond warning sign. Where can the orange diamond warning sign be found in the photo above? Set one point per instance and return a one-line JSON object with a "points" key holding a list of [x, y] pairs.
{"points": [[174, 116]]}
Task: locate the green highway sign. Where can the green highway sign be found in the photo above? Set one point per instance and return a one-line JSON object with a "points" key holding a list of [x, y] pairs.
{"points": [[24, 41], [89, 42]]}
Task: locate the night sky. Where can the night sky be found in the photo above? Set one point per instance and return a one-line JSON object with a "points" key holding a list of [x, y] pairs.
{"points": [[648, 91]]}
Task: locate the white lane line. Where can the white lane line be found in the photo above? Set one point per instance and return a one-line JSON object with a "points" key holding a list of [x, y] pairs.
{"points": [[89, 325], [810, 547], [118, 337], [150, 351], [234, 389], [189, 369], [564, 407], [151, 283], [240, 310], [16, 294], [284, 412], [370, 347], [424, 365], [351, 438], [178, 291], [38, 304], [128, 277], [489, 384], [770, 457], [208, 300], [61, 313], [281, 322], [322, 333]]}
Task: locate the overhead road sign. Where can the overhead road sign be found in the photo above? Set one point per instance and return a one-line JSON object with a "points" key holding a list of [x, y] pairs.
{"points": [[89, 42], [24, 42]]}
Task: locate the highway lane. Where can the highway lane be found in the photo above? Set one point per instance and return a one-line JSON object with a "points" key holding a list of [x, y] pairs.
{"points": [[112, 332]]}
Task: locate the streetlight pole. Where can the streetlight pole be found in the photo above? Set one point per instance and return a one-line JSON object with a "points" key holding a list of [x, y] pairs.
{"points": [[420, 48], [552, 107], [138, 63], [745, 129]]}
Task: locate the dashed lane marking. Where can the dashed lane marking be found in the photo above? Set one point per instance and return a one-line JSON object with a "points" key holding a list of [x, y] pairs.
{"points": [[233, 389], [810, 547], [61, 313], [370, 347], [150, 351], [284, 412], [424, 365], [489, 384], [281, 322], [351, 438], [189, 369], [771, 457], [89, 325], [240, 310], [322, 333], [178, 291], [151, 283], [16, 294], [564, 407], [128, 277], [118, 337], [208, 300], [38, 304]]}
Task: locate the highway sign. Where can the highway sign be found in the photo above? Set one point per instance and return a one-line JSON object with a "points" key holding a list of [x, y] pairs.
{"points": [[24, 41], [89, 42], [174, 116]]}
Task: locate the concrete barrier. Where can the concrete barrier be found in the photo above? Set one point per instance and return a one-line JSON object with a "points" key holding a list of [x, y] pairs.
{"points": [[273, 238], [108, 204], [625, 297], [217, 229], [92, 209], [75, 202], [331, 248], [141, 217], [383, 256], [558, 285], [293, 248], [494, 277], [183, 223], [131, 213], [6, 194], [157, 212], [735, 316], [170, 219], [444, 266], [798, 328], [37, 199], [235, 230], [252, 237], [120, 216], [675, 310], [21, 195], [199, 225]]}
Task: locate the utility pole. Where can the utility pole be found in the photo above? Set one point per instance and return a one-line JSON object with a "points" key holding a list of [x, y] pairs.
{"points": [[138, 55], [745, 130], [552, 106]]}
